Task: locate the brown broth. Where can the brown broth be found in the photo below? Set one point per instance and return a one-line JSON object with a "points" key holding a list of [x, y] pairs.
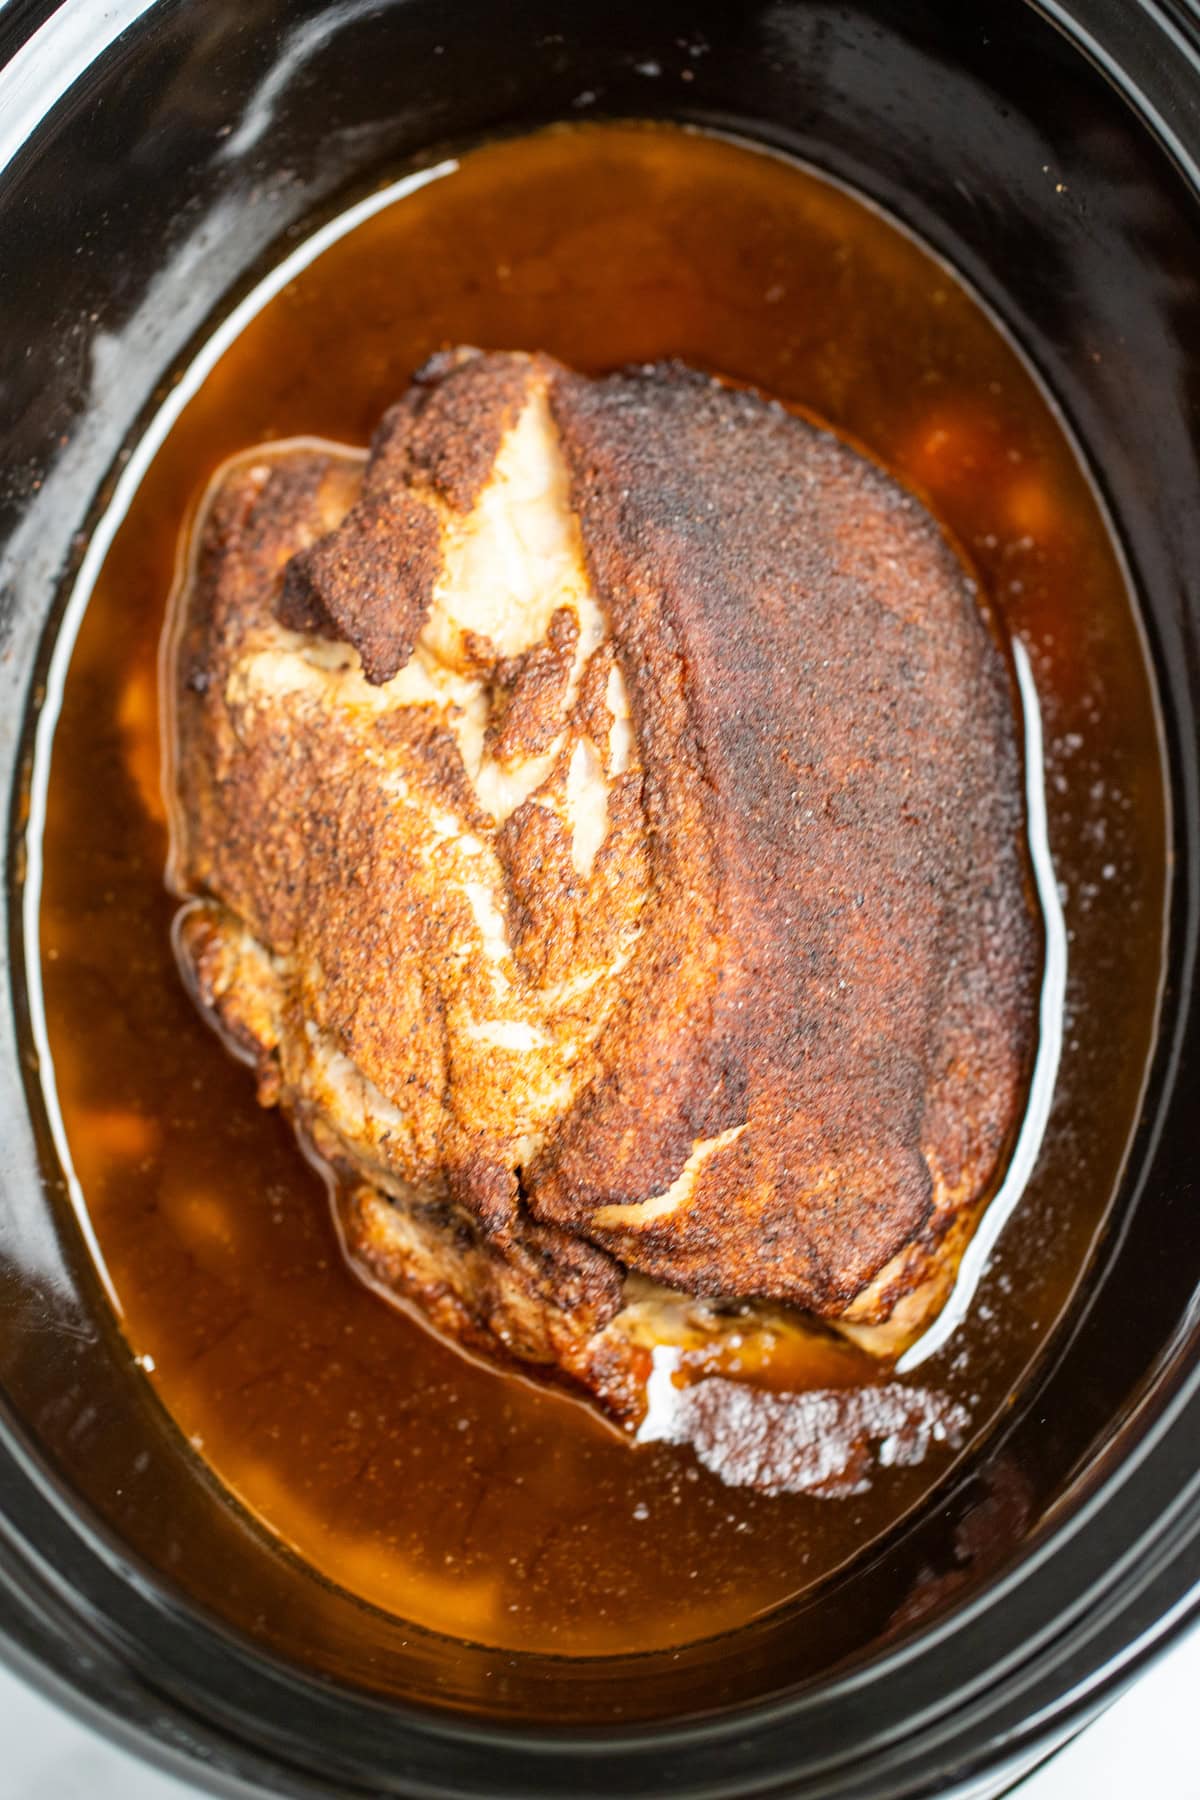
{"points": [[456, 1495]]}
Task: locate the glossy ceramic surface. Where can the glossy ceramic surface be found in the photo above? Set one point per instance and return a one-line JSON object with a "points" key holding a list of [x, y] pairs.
{"points": [[145, 183]]}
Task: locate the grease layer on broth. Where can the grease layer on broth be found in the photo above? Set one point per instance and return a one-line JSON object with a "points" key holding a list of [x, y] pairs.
{"points": [[458, 1496]]}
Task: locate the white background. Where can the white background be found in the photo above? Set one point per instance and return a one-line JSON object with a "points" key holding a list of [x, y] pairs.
{"points": [[1146, 1747]]}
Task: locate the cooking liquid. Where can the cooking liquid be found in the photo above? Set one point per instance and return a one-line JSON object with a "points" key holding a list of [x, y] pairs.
{"points": [[461, 1497]]}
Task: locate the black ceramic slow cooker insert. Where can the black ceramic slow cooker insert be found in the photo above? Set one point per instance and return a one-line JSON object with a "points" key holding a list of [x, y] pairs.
{"points": [[156, 158]]}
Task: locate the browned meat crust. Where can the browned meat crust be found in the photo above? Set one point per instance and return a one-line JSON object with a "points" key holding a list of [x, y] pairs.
{"points": [[370, 580], [845, 953], [776, 1022]]}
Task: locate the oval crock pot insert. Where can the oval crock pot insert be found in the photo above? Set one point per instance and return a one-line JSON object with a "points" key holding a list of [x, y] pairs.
{"points": [[891, 99]]}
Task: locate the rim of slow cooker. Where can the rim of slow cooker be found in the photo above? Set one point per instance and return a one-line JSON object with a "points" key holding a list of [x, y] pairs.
{"points": [[1011, 1641]]}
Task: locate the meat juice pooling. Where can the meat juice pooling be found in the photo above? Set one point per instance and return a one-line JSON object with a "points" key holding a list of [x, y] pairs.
{"points": [[964, 449]]}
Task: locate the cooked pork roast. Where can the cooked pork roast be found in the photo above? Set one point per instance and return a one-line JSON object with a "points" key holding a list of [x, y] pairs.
{"points": [[600, 809]]}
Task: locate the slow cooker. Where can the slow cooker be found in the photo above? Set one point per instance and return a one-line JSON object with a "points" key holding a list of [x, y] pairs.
{"points": [[157, 158]]}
